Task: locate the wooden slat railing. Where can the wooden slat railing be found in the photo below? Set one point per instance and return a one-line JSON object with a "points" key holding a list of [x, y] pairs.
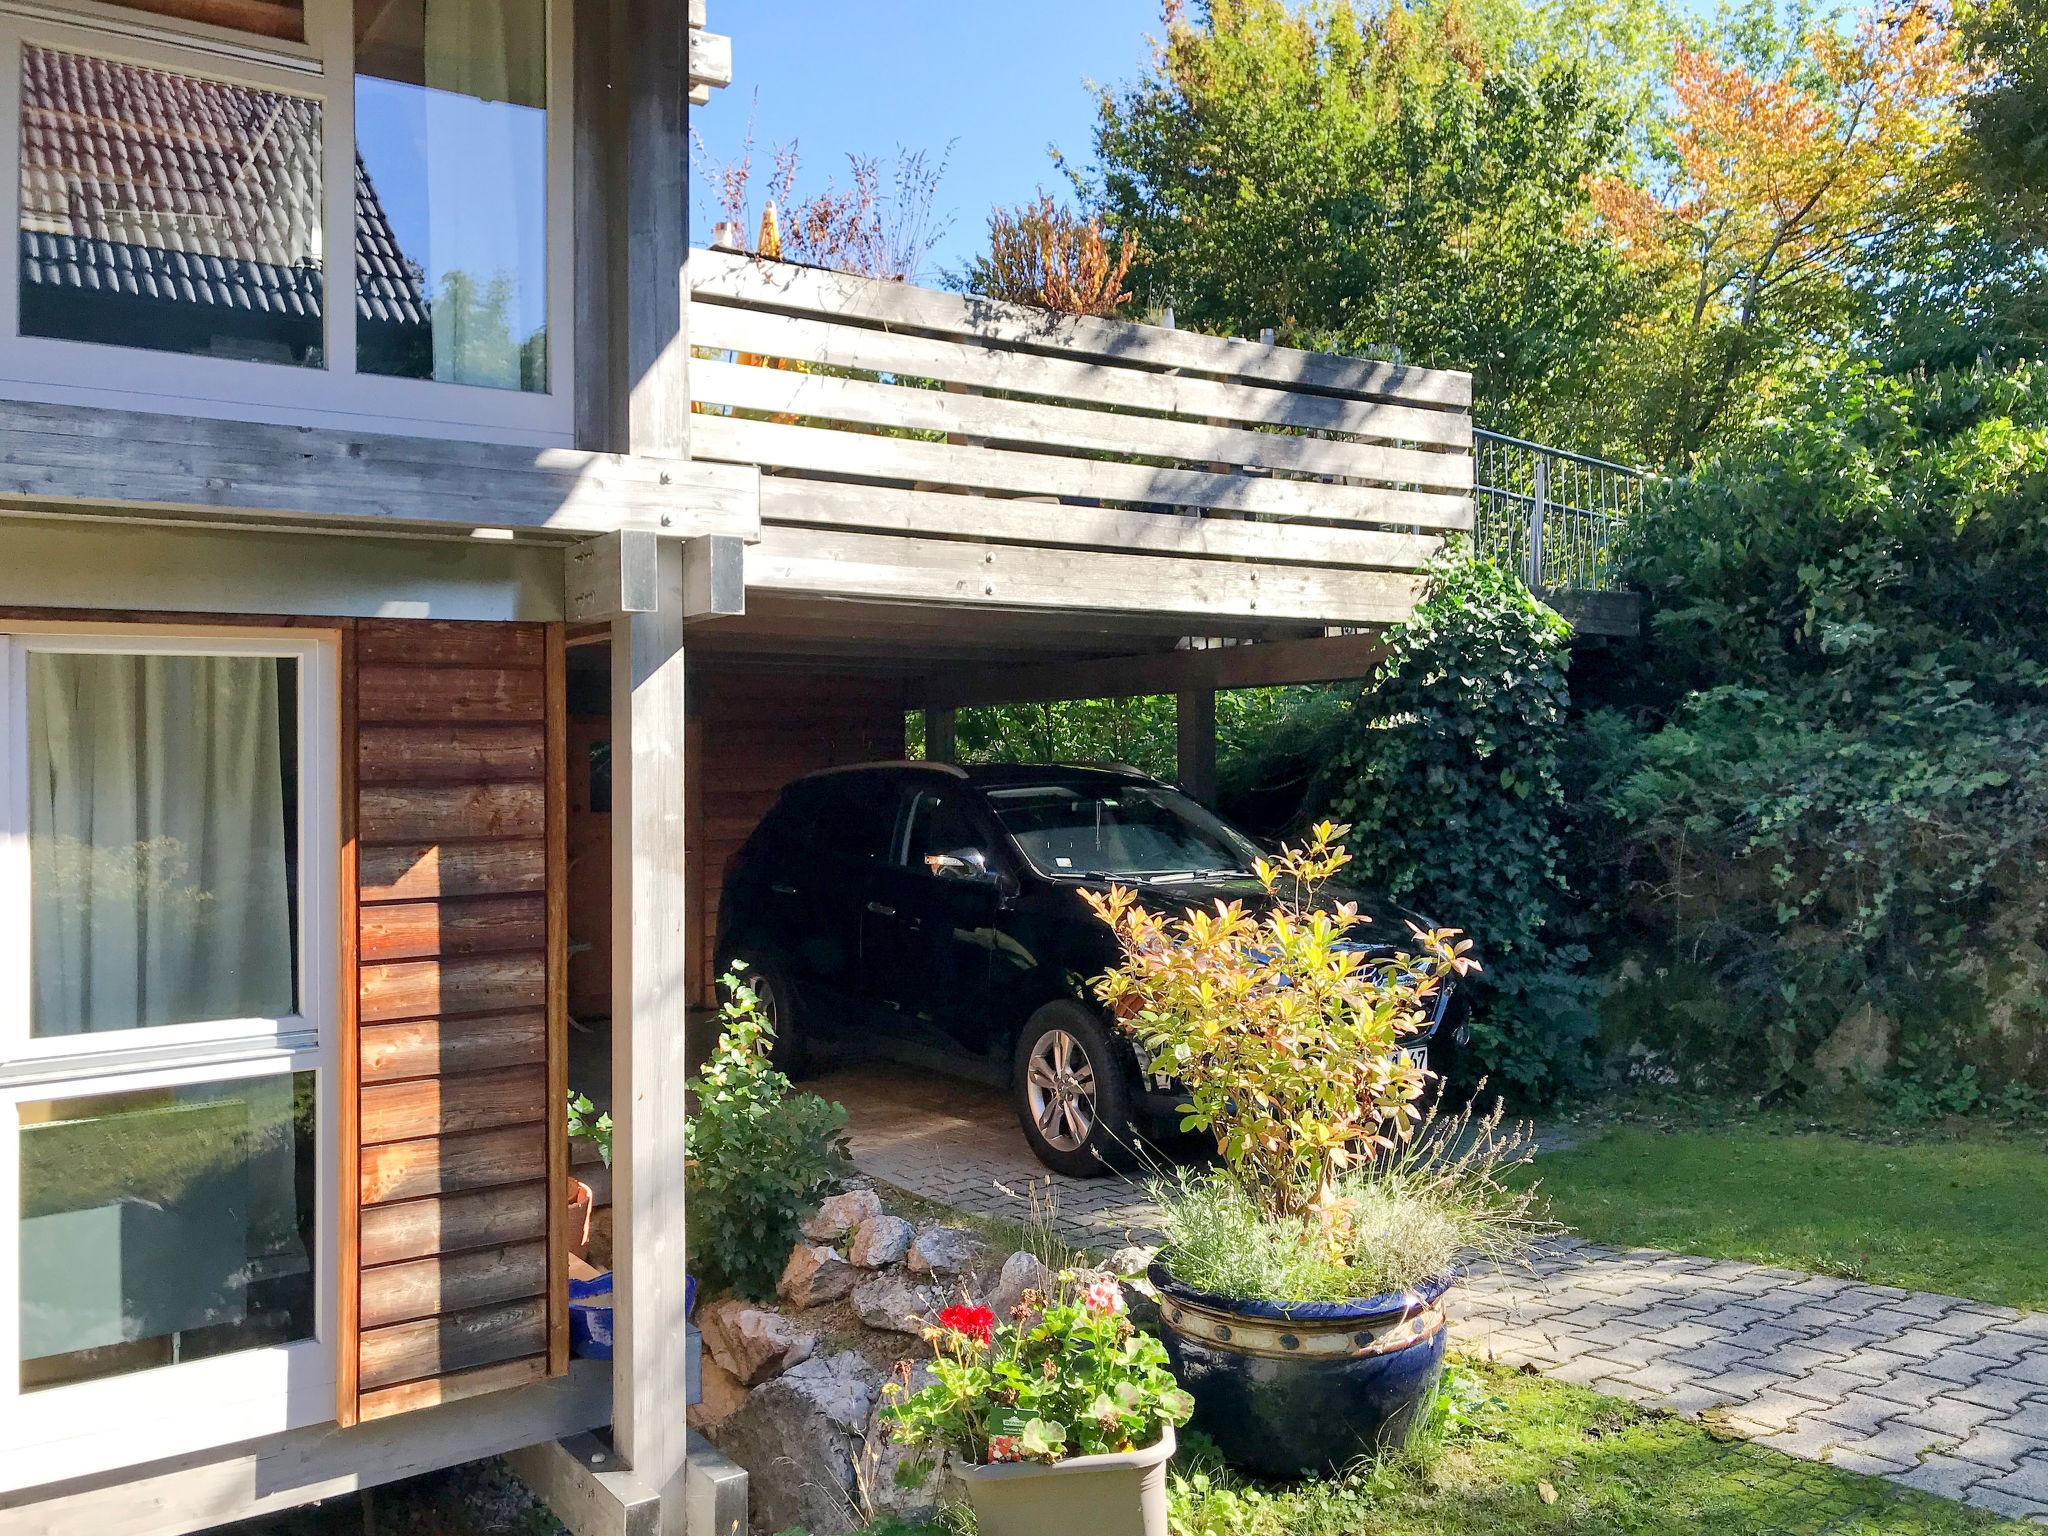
{"points": [[878, 408]]}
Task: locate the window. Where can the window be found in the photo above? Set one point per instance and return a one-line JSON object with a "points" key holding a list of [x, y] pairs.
{"points": [[166, 995], [935, 824], [1132, 829], [345, 212]]}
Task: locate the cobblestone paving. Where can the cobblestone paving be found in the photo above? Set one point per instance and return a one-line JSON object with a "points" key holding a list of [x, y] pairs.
{"points": [[1942, 1394]]}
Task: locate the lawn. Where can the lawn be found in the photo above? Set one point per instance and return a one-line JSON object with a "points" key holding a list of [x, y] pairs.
{"points": [[1542, 1456], [1965, 1217]]}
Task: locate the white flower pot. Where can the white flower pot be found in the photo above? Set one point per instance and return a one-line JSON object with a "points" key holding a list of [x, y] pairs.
{"points": [[1117, 1495]]}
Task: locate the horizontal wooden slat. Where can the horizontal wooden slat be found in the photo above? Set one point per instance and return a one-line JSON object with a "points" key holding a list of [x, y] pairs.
{"points": [[1034, 423], [471, 754], [417, 1229], [452, 695], [444, 643], [890, 509], [443, 1106], [868, 456], [475, 925], [419, 989], [456, 1342], [732, 278], [762, 333], [448, 1165], [421, 1288], [418, 871], [439, 1390], [943, 571], [424, 813], [475, 1042]]}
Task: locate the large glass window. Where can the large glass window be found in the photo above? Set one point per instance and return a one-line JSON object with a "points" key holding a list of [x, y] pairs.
{"points": [[451, 140], [167, 211], [167, 861]]}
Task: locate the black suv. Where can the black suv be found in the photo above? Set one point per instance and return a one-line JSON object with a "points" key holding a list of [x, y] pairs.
{"points": [[933, 914]]}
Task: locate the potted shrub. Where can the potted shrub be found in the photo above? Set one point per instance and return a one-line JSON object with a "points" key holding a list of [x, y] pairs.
{"points": [[1301, 1285], [1059, 1418]]}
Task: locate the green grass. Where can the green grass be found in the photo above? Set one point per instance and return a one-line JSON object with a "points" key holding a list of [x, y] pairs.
{"points": [[1543, 1457], [1965, 1217]]}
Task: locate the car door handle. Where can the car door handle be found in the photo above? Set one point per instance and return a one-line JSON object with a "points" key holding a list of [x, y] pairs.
{"points": [[880, 910], [782, 890]]}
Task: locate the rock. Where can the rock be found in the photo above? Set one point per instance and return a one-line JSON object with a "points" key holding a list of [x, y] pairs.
{"points": [[875, 1468], [943, 1251], [722, 1394], [891, 1303], [798, 1437], [882, 1240], [753, 1343], [841, 1214], [814, 1276], [1021, 1272], [1127, 1262]]}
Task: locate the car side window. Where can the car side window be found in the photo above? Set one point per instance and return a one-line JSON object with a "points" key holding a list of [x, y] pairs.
{"points": [[843, 817], [935, 823]]}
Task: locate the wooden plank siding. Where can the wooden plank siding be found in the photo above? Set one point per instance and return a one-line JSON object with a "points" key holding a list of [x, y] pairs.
{"points": [[458, 1146], [961, 450]]}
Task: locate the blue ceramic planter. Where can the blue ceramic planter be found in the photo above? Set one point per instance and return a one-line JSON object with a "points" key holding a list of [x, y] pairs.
{"points": [[1287, 1391]]}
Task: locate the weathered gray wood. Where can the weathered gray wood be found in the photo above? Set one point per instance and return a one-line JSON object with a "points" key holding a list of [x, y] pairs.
{"points": [[652, 66], [1082, 380], [1600, 613], [1036, 423], [714, 578], [942, 734], [733, 278], [1016, 576], [1195, 743], [710, 58], [605, 577], [206, 1489], [598, 366], [891, 509], [589, 1488], [717, 1491], [53, 455], [649, 1011], [824, 451], [1266, 664]]}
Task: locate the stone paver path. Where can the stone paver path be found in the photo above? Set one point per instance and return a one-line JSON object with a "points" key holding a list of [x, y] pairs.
{"points": [[1942, 1394]]}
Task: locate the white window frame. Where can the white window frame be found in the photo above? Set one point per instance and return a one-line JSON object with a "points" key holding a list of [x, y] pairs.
{"points": [[337, 396], [92, 1426]]}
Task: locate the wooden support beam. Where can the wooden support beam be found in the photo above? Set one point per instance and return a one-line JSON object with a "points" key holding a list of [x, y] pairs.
{"points": [[606, 577], [1195, 742], [587, 1487], [941, 735], [714, 578], [654, 70], [650, 1360], [1267, 664]]}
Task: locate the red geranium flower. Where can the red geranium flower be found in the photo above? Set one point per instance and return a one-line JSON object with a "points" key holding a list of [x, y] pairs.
{"points": [[976, 1323]]}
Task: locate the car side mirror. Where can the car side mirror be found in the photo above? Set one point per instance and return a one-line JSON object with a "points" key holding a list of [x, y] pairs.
{"points": [[961, 864]]}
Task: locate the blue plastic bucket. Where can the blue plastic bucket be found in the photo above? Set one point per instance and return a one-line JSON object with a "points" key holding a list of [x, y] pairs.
{"points": [[590, 1318]]}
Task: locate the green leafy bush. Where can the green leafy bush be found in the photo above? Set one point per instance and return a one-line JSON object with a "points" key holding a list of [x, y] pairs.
{"points": [[759, 1153], [1448, 768]]}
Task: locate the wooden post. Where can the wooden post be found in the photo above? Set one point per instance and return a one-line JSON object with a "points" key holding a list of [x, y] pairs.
{"points": [[654, 64], [1194, 716], [941, 742], [649, 1386]]}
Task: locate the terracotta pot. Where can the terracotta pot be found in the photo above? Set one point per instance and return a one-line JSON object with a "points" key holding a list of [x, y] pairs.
{"points": [[1117, 1495]]}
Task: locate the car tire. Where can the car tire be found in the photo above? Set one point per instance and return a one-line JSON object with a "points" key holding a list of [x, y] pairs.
{"points": [[789, 1052], [1072, 1092]]}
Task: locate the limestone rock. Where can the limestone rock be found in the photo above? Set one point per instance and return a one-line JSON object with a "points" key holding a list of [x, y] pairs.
{"points": [[882, 1240], [893, 1304], [943, 1251], [1127, 1262], [841, 1214], [1021, 1272], [753, 1343], [815, 1275], [880, 1456], [723, 1394], [797, 1437]]}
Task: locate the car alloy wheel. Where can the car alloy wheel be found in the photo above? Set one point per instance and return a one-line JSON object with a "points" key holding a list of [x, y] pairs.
{"points": [[1060, 1090]]}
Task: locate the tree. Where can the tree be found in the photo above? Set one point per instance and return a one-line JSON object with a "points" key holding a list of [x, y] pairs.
{"points": [[1045, 254], [1406, 181], [1781, 188]]}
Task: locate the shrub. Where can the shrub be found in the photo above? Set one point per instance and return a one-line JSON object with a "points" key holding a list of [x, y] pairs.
{"points": [[1284, 1029], [759, 1154], [1075, 1379]]}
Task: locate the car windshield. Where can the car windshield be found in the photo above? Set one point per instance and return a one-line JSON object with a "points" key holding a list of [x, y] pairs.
{"points": [[1130, 829]]}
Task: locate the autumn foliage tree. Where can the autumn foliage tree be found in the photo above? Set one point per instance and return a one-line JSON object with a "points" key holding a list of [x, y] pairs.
{"points": [[1779, 191], [1044, 253]]}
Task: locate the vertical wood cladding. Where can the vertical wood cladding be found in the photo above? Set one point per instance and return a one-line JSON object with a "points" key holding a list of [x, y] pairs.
{"points": [[459, 1155]]}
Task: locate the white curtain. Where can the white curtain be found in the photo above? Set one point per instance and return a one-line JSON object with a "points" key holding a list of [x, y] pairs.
{"points": [[159, 863]]}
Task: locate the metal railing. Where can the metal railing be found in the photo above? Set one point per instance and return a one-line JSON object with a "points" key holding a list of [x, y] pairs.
{"points": [[1550, 514]]}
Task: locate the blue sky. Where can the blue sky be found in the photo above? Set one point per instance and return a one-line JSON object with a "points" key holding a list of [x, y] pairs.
{"points": [[1000, 79]]}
